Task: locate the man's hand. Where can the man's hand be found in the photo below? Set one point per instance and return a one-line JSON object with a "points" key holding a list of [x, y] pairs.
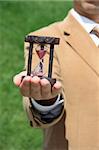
{"points": [[34, 87]]}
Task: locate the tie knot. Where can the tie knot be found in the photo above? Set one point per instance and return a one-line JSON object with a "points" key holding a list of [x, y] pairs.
{"points": [[95, 31]]}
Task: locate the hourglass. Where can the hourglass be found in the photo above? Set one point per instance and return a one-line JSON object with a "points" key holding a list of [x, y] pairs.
{"points": [[41, 43]]}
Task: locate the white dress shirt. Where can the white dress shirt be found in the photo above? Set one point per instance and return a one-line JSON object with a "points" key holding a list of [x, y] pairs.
{"points": [[87, 24]]}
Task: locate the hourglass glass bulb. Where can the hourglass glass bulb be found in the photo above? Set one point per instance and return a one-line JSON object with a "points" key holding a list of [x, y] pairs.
{"points": [[41, 51]]}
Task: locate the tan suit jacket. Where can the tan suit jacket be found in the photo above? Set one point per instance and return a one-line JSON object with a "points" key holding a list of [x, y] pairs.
{"points": [[77, 66]]}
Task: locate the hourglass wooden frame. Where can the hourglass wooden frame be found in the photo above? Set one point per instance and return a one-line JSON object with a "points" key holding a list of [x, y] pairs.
{"points": [[41, 40]]}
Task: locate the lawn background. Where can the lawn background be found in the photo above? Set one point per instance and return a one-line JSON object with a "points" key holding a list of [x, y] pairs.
{"points": [[18, 18]]}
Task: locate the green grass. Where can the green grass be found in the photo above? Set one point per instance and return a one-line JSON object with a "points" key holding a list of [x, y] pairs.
{"points": [[16, 20]]}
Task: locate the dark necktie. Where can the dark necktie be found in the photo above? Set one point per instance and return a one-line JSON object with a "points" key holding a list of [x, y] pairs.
{"points": [[95, 31]]}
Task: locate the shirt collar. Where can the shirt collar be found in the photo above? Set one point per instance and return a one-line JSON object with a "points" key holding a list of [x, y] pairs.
{"points": [[87, 23]]}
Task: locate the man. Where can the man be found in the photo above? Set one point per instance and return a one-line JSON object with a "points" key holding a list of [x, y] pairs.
{"points": [[76, 68]]}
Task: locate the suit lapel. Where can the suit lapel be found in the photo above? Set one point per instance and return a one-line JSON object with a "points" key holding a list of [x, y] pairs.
{"points": [[80, 41]]}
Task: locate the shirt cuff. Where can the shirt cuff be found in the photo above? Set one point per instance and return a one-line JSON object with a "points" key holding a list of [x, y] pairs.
{"points": [[45, 109]]}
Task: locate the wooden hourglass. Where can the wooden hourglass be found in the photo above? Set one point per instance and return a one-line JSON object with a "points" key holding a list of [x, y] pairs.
{"points": [[41, 41]]}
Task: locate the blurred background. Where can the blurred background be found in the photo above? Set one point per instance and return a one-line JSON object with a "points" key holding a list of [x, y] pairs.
{"points": [[17, 19]]}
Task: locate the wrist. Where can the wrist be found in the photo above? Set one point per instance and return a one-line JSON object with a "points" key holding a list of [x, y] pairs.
{"points": [[47, 102], [46, 108]]}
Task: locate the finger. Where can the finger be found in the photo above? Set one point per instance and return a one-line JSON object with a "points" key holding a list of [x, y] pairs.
{"points": [[45, 89], [35, 88], [25, 86], [18, 78], [56, 89]]}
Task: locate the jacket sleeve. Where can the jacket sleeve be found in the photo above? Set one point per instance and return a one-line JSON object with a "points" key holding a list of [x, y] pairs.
{"points": [[35, 117]]}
